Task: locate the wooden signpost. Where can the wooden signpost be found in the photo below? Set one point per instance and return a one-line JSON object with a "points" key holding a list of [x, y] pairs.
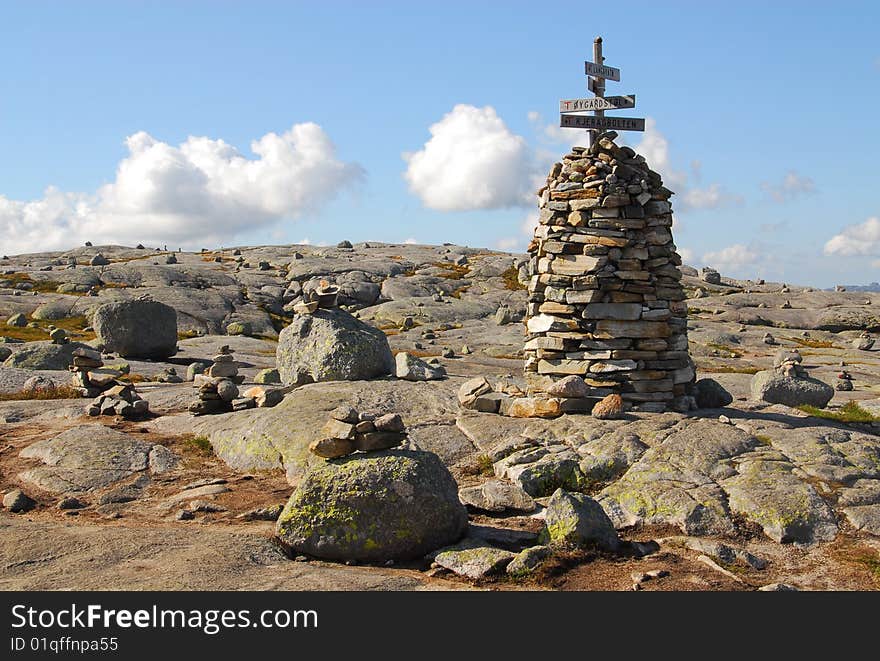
{"points": [[598, 103], [598, 73]]}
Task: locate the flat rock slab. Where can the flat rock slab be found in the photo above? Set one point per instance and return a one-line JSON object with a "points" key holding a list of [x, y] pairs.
{"points": [[91, 457], [36, 555], [864, 517], [787, 508], [473, 559], [279, 437], [497, 496]]}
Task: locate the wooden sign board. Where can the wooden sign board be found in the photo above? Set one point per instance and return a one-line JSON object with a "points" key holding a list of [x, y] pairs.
{"points": [[602, 123], [598, 103], [601, 71]]}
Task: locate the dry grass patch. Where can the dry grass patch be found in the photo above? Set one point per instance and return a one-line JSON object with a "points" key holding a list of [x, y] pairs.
{"points": [[452, 271], [849, 412], [60, 392], [511, 279], [727, 369], [811, 343]]}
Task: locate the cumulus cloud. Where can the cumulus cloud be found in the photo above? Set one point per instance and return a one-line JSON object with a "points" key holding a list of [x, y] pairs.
{"points": [[472, 161], [854, 240], [732, 257], [654, 146], [521, 241], [410, 242], [687, 256], [202, 191], [556, 134], [791, 186]]}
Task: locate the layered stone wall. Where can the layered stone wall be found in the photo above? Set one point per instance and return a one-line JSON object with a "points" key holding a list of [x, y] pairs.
{"points": [[605, 295]]}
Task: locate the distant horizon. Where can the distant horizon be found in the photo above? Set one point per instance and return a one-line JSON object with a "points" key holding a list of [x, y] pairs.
{"points": [[226, 123], [871, 286]]}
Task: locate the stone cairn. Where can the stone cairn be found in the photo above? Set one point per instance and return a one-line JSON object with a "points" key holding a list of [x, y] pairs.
{"points": [[112, 397], [323, 296], [606, 311], [218, 386], [348, 431]]}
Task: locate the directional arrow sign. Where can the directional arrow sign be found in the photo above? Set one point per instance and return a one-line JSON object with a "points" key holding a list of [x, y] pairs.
{"points": [[601, 71], [598, 103], [602, 123]]}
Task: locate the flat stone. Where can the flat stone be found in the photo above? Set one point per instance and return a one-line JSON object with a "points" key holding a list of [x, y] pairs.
{"points": [[497, 496], [475, 561]]}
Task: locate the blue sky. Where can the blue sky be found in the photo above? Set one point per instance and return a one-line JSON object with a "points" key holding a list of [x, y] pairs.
{"points": [[764, 123]]}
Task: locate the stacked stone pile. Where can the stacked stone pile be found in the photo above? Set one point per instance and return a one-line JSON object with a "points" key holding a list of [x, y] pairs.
{"points": [[120, 399], [91, 383], [789, 383], [348, 431], [324, 295], [218, 386], [605, 295], [112, 397]]}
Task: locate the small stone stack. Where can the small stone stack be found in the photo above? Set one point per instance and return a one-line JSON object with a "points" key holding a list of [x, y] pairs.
{"points": [[112, 397], [605, 295], [218, 386], [324, 295], [349, 431], [90, 382], [120, 399]]}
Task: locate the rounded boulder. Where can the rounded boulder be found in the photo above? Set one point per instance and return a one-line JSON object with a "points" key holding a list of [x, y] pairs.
{"points": [[137, 329], [331, 345], [390, 505]]}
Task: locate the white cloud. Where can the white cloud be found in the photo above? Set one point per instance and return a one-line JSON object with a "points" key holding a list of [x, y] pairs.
{"points": [[556, 134], [472, 161], [654, 146], [791, 186], [509, 243], [732, 257], [529, 223], [687, 256], [410, 242], [200, 192], [861, 239], [526, 231]]}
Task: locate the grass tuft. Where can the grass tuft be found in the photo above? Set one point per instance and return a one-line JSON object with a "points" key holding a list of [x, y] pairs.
{"points": [[511, 279], [60, 392], [727, 369], [200, 445], [849, 412], [452, 271], [812, 344]]}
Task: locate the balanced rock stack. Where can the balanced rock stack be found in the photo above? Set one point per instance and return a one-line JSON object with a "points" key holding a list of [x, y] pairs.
{"points": [[112, 397], [605, 295], [121, 399], [323, 296], [349, 431], [788, 383], [91, 383], [218, 386]]}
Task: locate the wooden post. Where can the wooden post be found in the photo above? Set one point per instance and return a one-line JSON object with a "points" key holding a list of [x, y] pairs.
{"points": [[599, 85]]}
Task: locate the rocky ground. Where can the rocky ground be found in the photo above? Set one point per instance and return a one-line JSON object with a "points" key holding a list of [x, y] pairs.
{"points": [[735, 498]]}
